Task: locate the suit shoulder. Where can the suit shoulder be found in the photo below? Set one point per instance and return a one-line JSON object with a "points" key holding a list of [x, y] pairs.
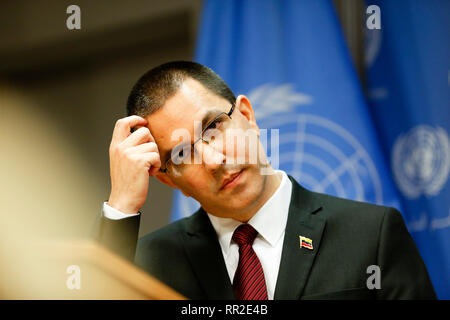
{"points": [[165, 234], [357, 224], [352, 210]]}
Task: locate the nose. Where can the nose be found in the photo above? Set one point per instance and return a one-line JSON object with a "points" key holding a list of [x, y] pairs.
{"points": [[213, 155]]}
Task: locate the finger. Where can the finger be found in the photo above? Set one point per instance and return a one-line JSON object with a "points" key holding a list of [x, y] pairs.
{"points": [[141, 135], [145, 147], [153, 171], [152, 160], [123, 127]]}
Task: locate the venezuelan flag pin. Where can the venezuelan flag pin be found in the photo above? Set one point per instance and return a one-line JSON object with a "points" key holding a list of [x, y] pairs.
{"points": [[306, 243]]}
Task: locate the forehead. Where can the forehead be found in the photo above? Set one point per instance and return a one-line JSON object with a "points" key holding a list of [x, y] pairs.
{"points": [[191, 102]]}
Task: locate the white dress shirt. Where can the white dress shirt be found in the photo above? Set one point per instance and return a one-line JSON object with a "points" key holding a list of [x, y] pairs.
{"points": [[114, 214], [270, 222]]}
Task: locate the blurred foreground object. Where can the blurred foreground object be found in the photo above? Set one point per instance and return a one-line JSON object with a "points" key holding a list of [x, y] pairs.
{"points": [[45, 191], [85, 270]]}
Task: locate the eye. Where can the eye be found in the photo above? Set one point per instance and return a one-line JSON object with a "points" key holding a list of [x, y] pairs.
{"points": [[215, 125]]}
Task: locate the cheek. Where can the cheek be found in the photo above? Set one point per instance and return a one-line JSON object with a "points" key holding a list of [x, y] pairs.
{"points": [[247, 148], [194, 183]]}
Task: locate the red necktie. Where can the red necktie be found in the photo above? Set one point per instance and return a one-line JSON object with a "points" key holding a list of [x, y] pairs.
{"points": [[248, 282]]}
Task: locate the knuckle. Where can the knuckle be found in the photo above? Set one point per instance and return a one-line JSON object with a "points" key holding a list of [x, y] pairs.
{"points": [[143, 161], [113, 148], [133, 158], [145, 131], [141, 132], [153, 146], [128, 152], [156, 160], [119, 123]]}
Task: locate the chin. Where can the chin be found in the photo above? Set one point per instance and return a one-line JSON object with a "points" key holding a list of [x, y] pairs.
{"points": [[239, 199], [247, 196]]}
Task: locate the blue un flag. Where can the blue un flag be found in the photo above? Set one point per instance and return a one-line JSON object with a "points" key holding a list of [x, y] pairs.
{"points": [[408, 63]]}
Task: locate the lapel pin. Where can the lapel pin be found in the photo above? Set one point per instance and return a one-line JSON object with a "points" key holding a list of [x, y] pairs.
{"points": [[306, 243]]}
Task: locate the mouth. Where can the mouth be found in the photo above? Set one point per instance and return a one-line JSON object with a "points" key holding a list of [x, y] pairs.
{"points": [[231, 181]]}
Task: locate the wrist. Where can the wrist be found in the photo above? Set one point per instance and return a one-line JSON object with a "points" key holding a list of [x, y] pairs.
{"points": [[122, 207]]}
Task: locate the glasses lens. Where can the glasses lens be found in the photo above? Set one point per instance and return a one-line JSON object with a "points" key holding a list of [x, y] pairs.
{"points": [[183, 156], [215, 128]]}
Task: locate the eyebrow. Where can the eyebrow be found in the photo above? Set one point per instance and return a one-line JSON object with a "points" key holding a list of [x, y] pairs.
{"points": [[207, 117]]}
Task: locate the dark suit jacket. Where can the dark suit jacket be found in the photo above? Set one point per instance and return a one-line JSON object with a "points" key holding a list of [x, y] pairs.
{"points": [[348, 236]]}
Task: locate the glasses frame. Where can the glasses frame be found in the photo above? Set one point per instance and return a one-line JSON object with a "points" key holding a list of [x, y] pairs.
{"points": [[228, 114]]}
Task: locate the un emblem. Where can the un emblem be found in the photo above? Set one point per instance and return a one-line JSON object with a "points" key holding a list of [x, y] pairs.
{"points": [[421, 161]]}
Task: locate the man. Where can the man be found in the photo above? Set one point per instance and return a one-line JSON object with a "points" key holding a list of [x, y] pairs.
{"points": [[258, 234]]}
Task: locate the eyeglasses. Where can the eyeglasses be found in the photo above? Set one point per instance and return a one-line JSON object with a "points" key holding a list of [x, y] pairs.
{"points": [[184, 155]]}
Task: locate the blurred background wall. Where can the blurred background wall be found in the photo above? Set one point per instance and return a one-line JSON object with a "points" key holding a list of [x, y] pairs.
{"points": [[78, 82]]}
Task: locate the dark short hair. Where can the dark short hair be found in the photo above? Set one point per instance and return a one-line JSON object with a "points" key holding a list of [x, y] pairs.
{"points": [[160, 83]]}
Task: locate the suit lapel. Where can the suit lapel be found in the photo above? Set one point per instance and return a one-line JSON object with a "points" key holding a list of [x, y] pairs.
{"points": [[296, 261], [205, 255]]}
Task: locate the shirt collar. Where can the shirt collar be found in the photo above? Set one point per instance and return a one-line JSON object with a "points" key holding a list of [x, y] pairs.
{"points": [[270, 220]]}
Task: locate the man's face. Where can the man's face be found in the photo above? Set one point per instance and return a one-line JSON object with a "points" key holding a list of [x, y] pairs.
{"points": [[205, 182]]}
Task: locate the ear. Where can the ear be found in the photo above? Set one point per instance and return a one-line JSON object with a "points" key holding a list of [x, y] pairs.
{"points": [[246, 109], [164, 178]]}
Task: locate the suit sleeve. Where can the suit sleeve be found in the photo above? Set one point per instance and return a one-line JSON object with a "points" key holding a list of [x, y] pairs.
{"points": [[120, 236], [403, 272]]}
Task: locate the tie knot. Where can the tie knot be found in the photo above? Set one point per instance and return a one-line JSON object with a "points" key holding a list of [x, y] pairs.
{"points": [[244, 234]]}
